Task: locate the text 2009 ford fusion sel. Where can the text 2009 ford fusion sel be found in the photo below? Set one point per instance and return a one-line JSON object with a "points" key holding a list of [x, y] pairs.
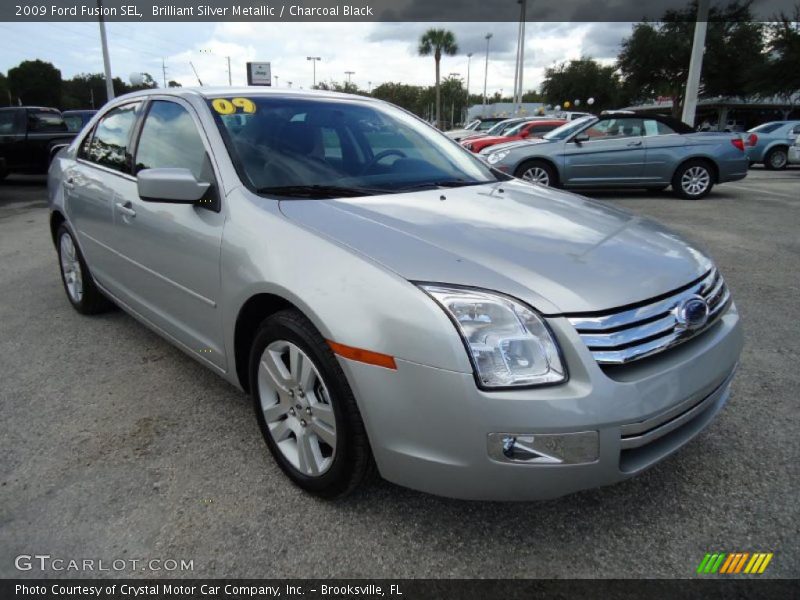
{"points": [[390, 301]]}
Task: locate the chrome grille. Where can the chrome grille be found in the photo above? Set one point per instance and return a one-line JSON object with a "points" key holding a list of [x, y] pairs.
{"points": [[620, 337]]}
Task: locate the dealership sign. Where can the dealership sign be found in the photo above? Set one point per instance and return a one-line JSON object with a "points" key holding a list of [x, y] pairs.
{"points": [[259, 73]]}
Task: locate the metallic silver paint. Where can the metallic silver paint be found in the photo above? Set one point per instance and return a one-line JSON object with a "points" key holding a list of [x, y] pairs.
{"points": [[187, 271]]}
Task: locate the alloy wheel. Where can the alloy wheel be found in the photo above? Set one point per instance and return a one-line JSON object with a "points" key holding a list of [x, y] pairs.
{"points": [[777, 159], [71, 268], [537, 175], [695, 180], [297, 408]]}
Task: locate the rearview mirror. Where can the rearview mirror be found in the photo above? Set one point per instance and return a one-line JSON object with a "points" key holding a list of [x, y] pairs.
{"points": [[581, 137], [170, 185]]}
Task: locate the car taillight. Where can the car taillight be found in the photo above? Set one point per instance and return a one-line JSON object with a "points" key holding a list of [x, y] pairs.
{"points": [[738, 143], [752, 139]]}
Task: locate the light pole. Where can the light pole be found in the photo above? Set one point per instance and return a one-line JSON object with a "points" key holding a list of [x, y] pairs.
{"points": [[349, 73], [276, 80], [314, 60], [289, 83], [106, 59], [695, 63], [469, 64], [486, 72]]}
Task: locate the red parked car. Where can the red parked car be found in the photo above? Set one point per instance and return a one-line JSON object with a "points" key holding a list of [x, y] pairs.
{"points": [[522, 131]]}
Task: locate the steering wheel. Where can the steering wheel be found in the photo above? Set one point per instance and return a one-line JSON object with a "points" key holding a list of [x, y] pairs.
{"points": [[381, 155]]}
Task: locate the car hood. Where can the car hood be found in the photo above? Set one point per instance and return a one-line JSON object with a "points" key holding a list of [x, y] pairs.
{"points": [[561, 252]]}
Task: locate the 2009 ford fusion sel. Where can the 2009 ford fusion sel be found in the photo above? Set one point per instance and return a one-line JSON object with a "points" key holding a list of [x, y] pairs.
{"points": [[391, 302]]}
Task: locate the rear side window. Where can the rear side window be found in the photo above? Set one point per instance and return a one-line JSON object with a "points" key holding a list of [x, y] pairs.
{"points": [[110, 145], [653, 127], [45, 121], [170, 139], [8, 122], [766, 128], [540, 129]]}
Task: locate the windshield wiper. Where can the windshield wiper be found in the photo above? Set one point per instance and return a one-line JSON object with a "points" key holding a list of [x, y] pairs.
{"points": [[446, 183], [320, 191]]}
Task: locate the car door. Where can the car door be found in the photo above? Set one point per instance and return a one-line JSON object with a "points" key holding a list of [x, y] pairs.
{"points": [[12, 138], [613, 153], [664, 151], [168, 255], [94, 183]]}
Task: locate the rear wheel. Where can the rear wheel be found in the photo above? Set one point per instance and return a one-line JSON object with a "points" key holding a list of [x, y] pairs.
{"points": [[693, 180], [537, 171], [306, 409], [777, 158], [81, 291]]}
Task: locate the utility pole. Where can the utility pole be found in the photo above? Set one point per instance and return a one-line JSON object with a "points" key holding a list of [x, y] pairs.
{"points": [[695, 63], [106, 59], [486, 72], [314, 60], [164, 71], [349, 73], [230, 79], [469, 64], [521, 61], [276, 80]]}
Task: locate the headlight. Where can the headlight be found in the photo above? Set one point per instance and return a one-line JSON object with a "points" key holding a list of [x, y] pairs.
{"points": [[496, 157], [508, 343]]}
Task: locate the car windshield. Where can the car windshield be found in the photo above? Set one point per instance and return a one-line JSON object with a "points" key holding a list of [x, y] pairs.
{"points": [[567, 129], [500, 127], [331, 148], [515, 130]]}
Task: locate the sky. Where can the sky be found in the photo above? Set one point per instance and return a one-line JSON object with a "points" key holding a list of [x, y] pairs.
{"points": [[376, 52]]}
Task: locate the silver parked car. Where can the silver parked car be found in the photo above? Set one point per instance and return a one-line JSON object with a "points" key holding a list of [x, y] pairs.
{"points": [[388, 300], [626, 150], [769, 143]]}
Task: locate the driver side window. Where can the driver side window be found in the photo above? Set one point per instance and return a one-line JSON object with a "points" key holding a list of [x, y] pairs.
{"points": [[615, 129]]}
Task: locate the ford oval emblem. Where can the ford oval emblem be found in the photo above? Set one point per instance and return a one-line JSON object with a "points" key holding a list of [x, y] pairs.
{"points": [[692, 313]]}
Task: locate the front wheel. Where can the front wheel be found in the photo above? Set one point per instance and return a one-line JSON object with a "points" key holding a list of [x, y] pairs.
{"points": [[537, 171], [81, 291], [776, 159], [693, 180], [306, 409]]}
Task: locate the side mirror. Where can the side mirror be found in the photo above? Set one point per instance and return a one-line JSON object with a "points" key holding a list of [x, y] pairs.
{"points": [[581, 137], [525, 134], [170, 185]]}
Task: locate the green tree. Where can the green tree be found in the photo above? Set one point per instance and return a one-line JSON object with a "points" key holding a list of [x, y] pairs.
{"points": [[582, 79], [781, 72], [438, 42], [5, 93], [403, 95], [35, 82], [654, 60], [173, 84]]}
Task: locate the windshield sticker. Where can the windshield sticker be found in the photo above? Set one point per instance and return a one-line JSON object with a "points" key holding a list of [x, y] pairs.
{"points": [[227, 107]]}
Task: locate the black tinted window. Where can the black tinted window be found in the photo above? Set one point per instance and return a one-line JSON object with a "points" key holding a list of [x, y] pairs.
{"points": [[42, 121], [110, 143], [8, 122], [170, 139]]}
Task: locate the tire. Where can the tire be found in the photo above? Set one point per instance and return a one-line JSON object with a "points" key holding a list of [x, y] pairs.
{"points": [[79, 286], [693, 180], [777, 158], [537, 171], [317, 437]]}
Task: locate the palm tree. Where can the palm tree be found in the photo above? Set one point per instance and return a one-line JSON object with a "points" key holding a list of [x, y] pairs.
{"points": [[436, 42]]}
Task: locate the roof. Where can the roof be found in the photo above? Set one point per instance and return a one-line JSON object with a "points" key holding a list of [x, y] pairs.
{"points": [[217, 92], [675, 124]]}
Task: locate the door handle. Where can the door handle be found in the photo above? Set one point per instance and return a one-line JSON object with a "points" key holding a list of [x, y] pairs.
{"points": [[126, 209], [636, 143], [69, 183]]}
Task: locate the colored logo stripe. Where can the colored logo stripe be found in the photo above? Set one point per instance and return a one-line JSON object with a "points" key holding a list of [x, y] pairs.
{"points": [[734, 562]]}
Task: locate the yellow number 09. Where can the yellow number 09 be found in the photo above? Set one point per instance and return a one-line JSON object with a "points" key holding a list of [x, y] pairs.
{"points": [[228, 107]]}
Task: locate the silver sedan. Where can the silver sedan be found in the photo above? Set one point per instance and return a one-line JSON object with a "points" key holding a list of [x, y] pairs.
{"points": [[626, 151], [390, 302]]}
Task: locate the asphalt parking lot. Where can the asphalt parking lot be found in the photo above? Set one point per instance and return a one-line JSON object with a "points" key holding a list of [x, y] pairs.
{"points": [[115, 445]]}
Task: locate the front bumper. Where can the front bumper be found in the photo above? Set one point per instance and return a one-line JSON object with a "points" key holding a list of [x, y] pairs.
{"points": [[433, 430]]}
